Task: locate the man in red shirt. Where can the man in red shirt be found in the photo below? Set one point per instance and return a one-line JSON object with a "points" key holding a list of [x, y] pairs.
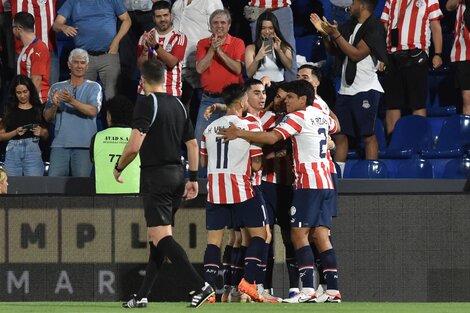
{"points": [[34, 60], [219, 62]]}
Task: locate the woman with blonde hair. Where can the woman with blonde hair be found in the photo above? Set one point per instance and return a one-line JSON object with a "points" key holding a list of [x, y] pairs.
{"points": [[3, 181]]}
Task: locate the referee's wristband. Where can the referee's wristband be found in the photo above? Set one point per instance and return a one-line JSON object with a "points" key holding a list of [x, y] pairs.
{"points": [[117, 168], [193, 175]]}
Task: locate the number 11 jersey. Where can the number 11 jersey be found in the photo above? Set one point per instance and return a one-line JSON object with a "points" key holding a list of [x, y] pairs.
{"points": [[229, 162]]}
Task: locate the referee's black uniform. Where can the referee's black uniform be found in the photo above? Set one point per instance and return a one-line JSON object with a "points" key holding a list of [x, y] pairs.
{"points": [[162, 173]]}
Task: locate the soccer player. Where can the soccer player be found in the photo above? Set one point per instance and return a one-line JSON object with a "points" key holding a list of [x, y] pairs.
{"points": [[311, 208], [229, 172]]}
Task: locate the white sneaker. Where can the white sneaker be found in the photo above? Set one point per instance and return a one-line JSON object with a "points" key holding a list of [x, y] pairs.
{"points": [[270, 298], [300, 297], [326, 297], [134, 303]]}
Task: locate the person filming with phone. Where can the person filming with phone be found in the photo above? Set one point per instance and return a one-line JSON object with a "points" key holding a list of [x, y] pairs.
{"points": [[23, 125], [270, 55]]}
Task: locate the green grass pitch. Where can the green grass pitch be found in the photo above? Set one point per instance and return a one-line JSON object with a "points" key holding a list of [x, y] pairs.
{"points": [[167, 307]]}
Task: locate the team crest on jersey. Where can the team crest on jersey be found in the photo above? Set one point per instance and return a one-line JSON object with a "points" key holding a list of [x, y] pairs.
{"points": [[168, 47], [293, 210], [420, 3], [42, 1]]}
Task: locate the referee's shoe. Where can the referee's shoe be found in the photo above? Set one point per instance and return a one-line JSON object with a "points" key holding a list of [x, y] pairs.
{"points": [[134, 303], [201, 296]]}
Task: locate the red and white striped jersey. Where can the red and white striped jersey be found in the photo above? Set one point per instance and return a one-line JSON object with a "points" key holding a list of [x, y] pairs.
{"points": [[270, 4], [309, 129], [5, 6], [320, 104], [461, 47], [35, 59], [175, 43], [412, 19], [229, 162], [257, 120], [44, 12]]}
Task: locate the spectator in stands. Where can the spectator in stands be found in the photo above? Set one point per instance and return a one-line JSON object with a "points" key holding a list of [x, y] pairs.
{"points": [[191, 17], [340, 11], [34, 60], [219, 61], [44, 12], [23, 125], [361, 43], [283, 12], [3, 181], [460, 54], [270, 54], [93, 28], [107, 145], [165, 44], [406, 76], [140, 13], [7, 53], [73, 105]]}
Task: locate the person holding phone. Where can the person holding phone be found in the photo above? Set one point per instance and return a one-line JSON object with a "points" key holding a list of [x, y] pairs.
{"points": [[22, 124], [270, 55]]}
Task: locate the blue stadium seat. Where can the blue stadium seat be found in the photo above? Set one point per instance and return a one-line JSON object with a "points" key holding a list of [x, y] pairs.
{"points": [[457, 169], [368, 169], [412, 134], [415, 168], [453, 140]]}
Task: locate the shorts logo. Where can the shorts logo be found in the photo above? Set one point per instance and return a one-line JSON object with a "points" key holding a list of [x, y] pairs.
{"points": [[365, 104], [293, 210]]}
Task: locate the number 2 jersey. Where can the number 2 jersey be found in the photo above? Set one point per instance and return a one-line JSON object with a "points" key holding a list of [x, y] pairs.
{"points": [[309, 130], [229, 162]]}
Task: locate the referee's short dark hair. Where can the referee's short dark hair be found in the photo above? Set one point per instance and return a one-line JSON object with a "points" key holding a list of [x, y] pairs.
{"points": [[232, 93], [25, 20], [121, 109], [153, 71], [301, 88], [316, 71]]}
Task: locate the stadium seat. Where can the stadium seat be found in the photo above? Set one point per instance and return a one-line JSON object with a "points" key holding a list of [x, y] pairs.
{"points": [[415, 168], [453, 139], [412, 134], [457, 169], [369, 169]]}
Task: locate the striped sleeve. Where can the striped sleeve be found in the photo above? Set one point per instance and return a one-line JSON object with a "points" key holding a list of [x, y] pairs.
{"points": [[203, 149], [291, 125], [435, 12], [385, 13]]}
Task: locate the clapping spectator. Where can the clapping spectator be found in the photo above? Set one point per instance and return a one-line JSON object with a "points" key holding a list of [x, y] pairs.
{"points": [[23, 125]]}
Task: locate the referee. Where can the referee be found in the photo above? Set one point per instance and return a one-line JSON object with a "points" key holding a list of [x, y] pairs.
{"points": [[160, 125]]}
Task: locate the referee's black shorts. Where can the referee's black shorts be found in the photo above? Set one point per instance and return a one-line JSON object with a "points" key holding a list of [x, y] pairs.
{"points": [[162, 189]]}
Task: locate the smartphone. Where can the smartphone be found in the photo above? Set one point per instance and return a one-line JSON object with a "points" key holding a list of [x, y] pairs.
{"points": [[268, 42], [29, 126]]}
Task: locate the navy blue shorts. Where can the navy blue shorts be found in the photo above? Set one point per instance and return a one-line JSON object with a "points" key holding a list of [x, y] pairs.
{"points": [[334, 177], [312, 208], [219, 216], [278, 200], [269, 213], [357, 114], [250, 213]]}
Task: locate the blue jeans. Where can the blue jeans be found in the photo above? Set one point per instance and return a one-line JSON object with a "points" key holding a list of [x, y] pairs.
{"points": [[201, 122], [70, 162], [23, 158]]}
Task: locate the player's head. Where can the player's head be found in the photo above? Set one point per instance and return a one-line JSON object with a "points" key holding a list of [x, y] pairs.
{"points": [[152, 73], [310, 73], [162, 15], [23, 22], [256, 94], [235, 94], [279, 101], [3, 181], [300, 94], [119, 111]]}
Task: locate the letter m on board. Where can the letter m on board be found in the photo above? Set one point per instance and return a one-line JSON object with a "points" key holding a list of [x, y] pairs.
{"points": [[30, 236]]}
